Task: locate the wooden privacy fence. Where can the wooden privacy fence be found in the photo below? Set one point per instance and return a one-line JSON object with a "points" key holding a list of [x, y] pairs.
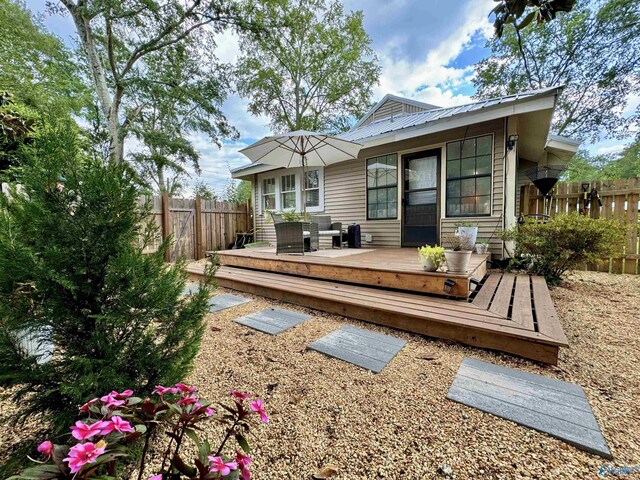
{"points": [[198, 225], [619, 200]]}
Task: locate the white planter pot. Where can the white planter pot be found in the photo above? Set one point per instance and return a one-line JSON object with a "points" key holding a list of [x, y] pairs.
{"points": [[428, 264], [457, 261], [471, 233], [482, 248]]}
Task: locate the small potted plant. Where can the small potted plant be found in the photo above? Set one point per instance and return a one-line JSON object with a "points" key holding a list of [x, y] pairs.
{"points": [[431, 258], [457, 253], [482, 247], [469, 230]]}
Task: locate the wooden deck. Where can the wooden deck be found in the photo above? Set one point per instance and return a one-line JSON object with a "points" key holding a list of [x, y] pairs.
{"points": [[396, 268], [509, 313]]}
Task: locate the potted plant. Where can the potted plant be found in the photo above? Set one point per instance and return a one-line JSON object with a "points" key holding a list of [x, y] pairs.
{"points": [[482, 247], [431, 258], [457, 253], [469, 230]]}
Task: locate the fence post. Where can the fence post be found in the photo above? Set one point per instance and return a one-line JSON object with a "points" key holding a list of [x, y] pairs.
{"points": [[166, 225], [198, 227]]}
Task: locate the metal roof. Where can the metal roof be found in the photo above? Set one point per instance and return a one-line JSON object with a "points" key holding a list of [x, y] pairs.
{"points": [[421, 118]]}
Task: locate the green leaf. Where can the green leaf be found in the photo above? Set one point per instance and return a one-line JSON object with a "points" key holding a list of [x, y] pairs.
{"points": [[182, 467], [526, 20], [193, 436], [243, 443]]}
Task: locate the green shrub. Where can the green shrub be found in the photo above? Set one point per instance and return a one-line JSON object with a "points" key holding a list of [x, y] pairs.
{"points": [[73, 275], [564, 242]]}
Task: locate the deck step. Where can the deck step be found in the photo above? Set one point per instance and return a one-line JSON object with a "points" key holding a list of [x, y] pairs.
{"points": [[436, 317]]}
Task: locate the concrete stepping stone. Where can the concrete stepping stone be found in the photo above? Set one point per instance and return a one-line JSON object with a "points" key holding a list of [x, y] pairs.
{"points": [[273, 320], [190, 288], [361, 347], [226, 300], [557, 408]]}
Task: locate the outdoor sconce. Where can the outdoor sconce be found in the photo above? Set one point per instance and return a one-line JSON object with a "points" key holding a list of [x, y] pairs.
{"points": [[448, 285], [511, 142]]}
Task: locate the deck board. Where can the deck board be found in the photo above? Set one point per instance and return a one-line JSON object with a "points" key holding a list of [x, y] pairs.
{"points": [[385, 267], [459, 321]]}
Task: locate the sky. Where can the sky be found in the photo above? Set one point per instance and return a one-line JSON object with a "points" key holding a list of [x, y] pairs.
{"points": [[427, 49]]}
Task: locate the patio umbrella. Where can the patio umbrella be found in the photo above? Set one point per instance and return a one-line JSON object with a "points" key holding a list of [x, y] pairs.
{"points": [[301, 149]]}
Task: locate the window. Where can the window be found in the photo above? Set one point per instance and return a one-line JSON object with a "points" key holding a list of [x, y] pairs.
{"points": [[312, 188], [469, 177], [269, 194], [288, 191], [382, 187]]}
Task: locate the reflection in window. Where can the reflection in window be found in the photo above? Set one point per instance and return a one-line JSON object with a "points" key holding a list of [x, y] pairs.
{"points": [[312, 188], [382, 187], [469, 176], [288, 191], [269, 194]]}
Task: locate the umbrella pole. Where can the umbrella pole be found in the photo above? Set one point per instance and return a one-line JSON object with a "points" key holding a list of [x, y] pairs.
{"points": [[304, 191]]}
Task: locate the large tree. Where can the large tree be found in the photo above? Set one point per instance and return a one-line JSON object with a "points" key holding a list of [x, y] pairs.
{"points": [[182, 95], [314, 71], [119, 38], [594, 51]]}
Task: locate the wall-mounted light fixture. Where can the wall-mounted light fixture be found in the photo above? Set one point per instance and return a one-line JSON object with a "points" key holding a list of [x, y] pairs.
{"points": [[511, 142]]}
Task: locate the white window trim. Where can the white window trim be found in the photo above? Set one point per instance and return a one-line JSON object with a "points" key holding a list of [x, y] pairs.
{"points": [[298, 173], [274, 194]]}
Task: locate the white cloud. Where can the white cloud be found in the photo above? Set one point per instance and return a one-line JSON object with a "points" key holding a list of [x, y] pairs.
{"points": [[403, 76], [609, 150]]}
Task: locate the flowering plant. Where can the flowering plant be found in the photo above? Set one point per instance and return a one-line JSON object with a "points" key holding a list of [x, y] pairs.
{"points": [[114, 421]]}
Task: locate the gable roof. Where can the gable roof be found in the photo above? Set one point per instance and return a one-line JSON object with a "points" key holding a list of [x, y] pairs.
{"points": [[387, 97], [388, 125]]}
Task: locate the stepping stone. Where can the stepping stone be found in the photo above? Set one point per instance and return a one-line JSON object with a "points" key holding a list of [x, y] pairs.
{"points": [[191, 288], [226, 300], [273, 320], [548, 405], [361, 347]]}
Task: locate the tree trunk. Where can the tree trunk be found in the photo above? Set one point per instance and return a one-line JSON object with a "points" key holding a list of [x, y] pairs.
{"points": [[108, 105]]}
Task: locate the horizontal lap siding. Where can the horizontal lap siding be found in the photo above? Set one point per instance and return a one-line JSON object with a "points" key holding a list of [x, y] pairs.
{"points": [[263, 225], [345, 199]]}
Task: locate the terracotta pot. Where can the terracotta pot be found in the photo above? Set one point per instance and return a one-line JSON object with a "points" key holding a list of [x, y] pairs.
{"points": [[457, 261]]}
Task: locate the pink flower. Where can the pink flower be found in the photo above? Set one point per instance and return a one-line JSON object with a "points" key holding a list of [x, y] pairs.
{"points": [[185, 401], [111, 400], [258, 406], [219, 465], [239, 396], [82, 430], [160, 390], [85, 408], [243, 462], [116, 424], [209, 412], [183, 388], [157, 476], [199, 408], [46, 448], [84, 453]]}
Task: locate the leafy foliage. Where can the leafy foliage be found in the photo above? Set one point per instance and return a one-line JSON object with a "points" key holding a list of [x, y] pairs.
{"points": [[585, 167], [564, 242], [35, 66], [510, 11], [15, 131], [115, 420], [125, 42], [314, 70], [238, 191], [594, 51], [75, 284]]}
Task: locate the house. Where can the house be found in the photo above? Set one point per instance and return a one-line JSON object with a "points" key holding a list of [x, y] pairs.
{"points": [[422, 169]]}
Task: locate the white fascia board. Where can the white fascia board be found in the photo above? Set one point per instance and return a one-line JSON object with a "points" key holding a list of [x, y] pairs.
{"points": [[246, 172], [560, 145]]}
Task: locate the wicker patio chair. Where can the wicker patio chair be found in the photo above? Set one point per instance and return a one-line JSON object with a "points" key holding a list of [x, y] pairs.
{"points": [[314, 237], [291, 237], [327, 228]]}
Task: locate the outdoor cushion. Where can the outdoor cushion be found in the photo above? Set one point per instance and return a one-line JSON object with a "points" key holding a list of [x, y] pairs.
{"points": [[329, 232], [323, 221]]}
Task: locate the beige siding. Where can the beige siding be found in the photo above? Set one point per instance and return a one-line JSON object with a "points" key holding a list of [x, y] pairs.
{"points": [[392, 107], [522, 179], [345, 189], [345, 200]]}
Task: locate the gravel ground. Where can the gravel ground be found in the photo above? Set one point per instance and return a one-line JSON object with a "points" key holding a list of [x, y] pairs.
{"points": [[398, 424]]}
